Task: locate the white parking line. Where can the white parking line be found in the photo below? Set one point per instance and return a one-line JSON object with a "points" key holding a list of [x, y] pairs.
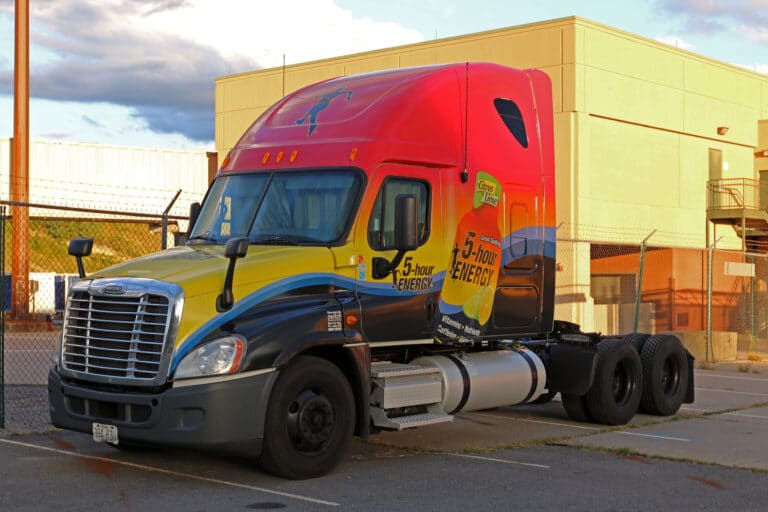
{"points": [[489, 459], [733, 392], [655, 436], [557, 424], [740, 415], [173, 473], [732, 377]]}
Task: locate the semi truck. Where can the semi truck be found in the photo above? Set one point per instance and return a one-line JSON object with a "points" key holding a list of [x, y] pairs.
{"points": [[376, 252]]}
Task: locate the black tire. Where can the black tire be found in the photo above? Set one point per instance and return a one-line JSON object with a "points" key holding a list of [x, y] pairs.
{"points": [[637, 339], [665, 375], [545, 398], [576, 407], [310, 419], [615, 395]]}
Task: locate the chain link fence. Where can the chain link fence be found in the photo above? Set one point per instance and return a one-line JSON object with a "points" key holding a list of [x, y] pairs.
{"points": [[716, 301], [33, 307]]}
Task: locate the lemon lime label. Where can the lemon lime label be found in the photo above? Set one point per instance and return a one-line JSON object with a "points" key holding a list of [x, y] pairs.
{"points": [[466, 300]]}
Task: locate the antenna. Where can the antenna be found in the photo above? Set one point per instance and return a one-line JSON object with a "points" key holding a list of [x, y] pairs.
{"points": [[283, 76], [465, 172]]}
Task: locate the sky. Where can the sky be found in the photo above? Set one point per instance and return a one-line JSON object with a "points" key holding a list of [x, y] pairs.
{"points": [[141, 72]]}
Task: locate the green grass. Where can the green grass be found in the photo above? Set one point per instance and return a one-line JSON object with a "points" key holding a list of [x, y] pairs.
{"points": [[114, 242]]}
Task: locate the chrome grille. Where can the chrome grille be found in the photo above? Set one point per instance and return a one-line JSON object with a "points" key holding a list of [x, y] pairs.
{"points": [[115, 336]]}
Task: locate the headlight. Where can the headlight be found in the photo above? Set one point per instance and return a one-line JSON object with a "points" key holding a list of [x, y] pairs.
{"points": [[218, 357]]}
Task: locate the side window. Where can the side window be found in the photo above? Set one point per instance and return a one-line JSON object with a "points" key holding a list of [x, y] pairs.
{"points": [[381, 227], [513, 119]]}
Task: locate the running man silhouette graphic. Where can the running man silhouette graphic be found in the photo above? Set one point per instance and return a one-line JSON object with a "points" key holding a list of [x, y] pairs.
{"points": [[321, 105]]}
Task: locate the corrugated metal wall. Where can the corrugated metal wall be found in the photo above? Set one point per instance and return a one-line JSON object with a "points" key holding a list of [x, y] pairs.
{"points": [[141, 180]]}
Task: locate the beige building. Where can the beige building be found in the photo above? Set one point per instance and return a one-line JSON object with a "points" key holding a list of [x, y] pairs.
{"points": [[645, 134]]}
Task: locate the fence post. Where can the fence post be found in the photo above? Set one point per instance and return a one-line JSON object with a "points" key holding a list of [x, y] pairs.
{"points": [[710, 254], [164, 243], [2, 316], [640, 279]]}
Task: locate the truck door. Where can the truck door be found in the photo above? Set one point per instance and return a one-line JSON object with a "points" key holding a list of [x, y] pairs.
{"points": [[401, 305], [517, 306]]}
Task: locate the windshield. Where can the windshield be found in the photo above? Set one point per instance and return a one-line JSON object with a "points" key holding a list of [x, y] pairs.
{"points": [[283, 207]]}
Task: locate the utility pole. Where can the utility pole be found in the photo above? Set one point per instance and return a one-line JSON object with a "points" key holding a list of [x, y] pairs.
{"points": [[20, 167]]}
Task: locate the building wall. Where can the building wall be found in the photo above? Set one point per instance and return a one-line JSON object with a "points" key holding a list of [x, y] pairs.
{"points": [[128, 179]]}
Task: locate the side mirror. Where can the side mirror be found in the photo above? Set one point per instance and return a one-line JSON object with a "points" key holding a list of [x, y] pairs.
{"points": [[194, 213], [406, 234], [235, 248], [406, 223], [79, 248]]}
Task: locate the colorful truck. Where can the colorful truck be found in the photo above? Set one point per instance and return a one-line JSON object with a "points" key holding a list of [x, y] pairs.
{"points": [[376, 252]]}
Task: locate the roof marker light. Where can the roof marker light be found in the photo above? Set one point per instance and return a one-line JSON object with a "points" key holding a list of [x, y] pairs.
{"points": [[279, 157], [265, 158], [294, 155], [353, 154]]}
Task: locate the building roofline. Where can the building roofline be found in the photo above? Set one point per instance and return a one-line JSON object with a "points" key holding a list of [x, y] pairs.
{"points": [[568, 20]]}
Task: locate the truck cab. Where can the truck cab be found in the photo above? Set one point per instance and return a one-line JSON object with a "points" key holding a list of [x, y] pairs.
{"points": [[377, 251]]}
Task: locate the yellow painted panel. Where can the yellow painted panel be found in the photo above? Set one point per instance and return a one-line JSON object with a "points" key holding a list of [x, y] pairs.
{"points": [[371, 63], [301, 76], [638, 101], [523, 49], [725, 83], [572, 94], [235, 124], [765, 99], [555, 74], [565, 188], [632, 56], [570, 45], [762, 134], [632, 165], [244, 91], [703, 115]]}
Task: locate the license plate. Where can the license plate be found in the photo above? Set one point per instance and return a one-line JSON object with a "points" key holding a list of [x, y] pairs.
{"points": [[104, 433]]}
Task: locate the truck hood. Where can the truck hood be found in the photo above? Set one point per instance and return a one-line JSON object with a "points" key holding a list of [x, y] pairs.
{"points": [[200, 270]]}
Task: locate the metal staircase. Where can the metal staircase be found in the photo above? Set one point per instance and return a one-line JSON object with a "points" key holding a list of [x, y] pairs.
{"points": [[736, 202]]}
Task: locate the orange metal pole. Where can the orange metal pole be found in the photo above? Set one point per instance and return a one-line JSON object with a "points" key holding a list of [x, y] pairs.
{"points": [[20, 167]]}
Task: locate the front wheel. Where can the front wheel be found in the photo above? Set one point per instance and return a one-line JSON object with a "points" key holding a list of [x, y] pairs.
{"points": [[310, 419]]}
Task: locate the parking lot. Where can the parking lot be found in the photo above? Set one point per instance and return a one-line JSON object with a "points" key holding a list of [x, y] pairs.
{"points": [[712, 455]]}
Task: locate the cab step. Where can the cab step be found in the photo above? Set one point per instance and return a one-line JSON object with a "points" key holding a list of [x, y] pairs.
{"points": [[398, 386], [381, 420]]}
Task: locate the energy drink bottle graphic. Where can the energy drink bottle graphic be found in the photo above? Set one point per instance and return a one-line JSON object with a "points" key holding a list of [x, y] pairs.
{"points": [[466, 300]]}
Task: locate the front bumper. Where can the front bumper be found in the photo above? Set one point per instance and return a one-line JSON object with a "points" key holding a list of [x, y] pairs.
{"points": [[227, 413]]}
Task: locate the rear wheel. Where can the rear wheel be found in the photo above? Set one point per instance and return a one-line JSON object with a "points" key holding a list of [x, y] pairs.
{"points": [[665, 375], [310, 419], [616, 392], [576, 407], [637, 340]]}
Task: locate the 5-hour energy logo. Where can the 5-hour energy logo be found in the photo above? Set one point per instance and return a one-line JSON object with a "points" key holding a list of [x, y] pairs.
{"points": [[412, 276]]}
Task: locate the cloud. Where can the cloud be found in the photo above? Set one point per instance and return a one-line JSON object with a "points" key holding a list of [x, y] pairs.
{"points": [[160, 57], [712, 16]]}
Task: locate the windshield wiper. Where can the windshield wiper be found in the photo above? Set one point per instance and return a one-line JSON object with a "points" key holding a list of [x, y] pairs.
{"points": [[284, 240], [204, 238]]}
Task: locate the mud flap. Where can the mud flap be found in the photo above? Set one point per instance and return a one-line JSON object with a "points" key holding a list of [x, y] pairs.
{"points": [[571, 368], [689, 394]]}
